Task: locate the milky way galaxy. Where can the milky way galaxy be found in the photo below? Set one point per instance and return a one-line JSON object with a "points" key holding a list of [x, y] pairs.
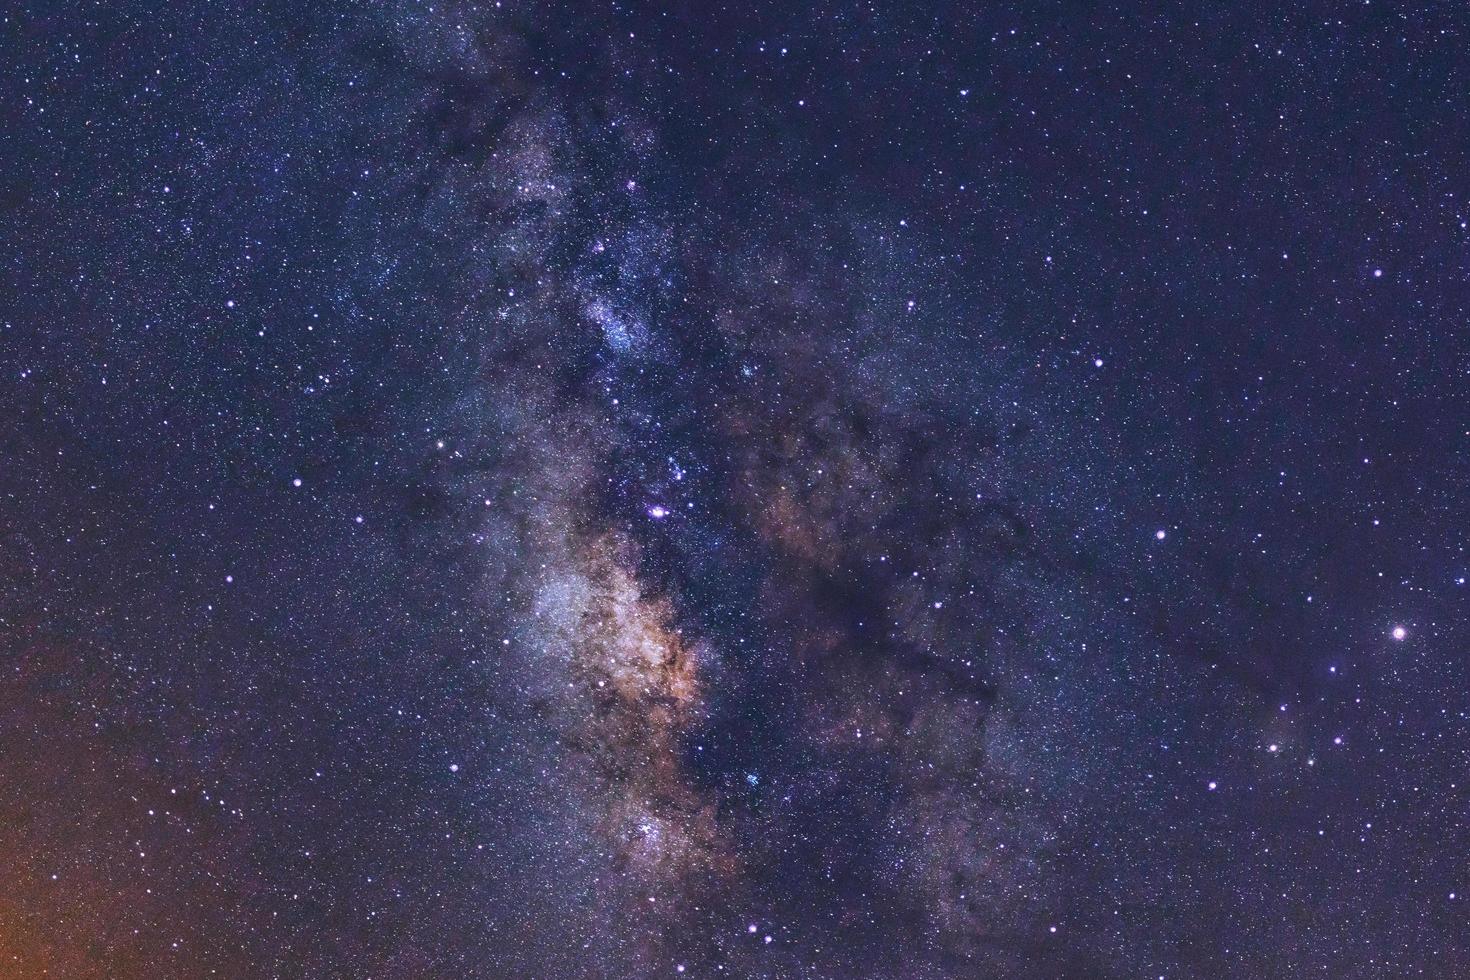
{"points": [[616, 490]]}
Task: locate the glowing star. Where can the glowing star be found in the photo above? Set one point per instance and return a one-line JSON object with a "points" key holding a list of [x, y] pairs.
{"points": [[1399, 632], [658, 512], [1160, 534]]}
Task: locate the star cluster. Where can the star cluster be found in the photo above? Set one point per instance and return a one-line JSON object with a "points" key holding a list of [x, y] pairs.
{"points": [[628, 490]]}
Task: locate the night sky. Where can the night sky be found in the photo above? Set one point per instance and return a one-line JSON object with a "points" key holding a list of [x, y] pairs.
{"points": [[835, 490]]}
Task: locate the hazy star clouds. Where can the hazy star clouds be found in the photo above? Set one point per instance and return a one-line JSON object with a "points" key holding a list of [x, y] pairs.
{"points": [[839, 492]]}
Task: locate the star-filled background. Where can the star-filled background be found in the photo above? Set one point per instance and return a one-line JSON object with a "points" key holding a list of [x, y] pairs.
{"points": [[838, 490]]}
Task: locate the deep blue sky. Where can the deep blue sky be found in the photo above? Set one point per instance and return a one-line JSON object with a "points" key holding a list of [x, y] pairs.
{"points": [[498, 490]]}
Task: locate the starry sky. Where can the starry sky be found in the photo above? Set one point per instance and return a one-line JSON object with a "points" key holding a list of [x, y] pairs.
{"points": [[841, 490]]}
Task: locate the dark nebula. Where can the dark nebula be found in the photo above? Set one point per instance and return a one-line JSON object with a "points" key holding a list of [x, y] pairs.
{"points": [[622, 490]]}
